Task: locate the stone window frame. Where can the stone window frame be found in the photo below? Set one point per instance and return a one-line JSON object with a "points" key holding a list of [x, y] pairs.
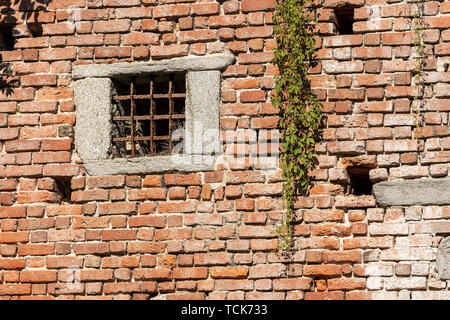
{"points": [[93, 90]]}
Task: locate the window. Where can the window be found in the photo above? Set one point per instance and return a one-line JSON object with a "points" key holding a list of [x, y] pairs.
{"points": [[148, 115], [35, 29], [360, 183], [143, 117], [6, 38], [345, 17]]}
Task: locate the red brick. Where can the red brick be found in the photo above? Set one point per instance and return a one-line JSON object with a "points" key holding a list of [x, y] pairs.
{"points": [[153, 274], [57, 54], [117, 208], [63, 262], [133, 12], [35, 249], [60, 93], [212, 259], [112, 26], [346, 284], [229, 272], [118, 235], [267, 271], [186, 296], [254, 32], [147, 194], [37, 196], [40, 42], [190, 273], [292, 284], [233, 284], [38, 276], [33, 224], [256, 232], [151, 221], [15, 289], [12, 212], [181, 179], [140, 39], [169, 51], [437, 22], [90, 195], [173, 234], [330, 230], [257, 5], [106, 182], [11, 264], [197, 36], [57, 145], [322, 270], [85, 40], [9, 133], [112, 52], [96, 275], [238, 20], [253, 96], [335, 295], [166, 11], [91, 248], [176, 207], [22, 145], [205, 8], [255, 57], [50, 157], [146, 247]]}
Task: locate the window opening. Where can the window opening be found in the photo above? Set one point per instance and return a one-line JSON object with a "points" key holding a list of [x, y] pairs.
{"points": [[360, 183], [6, 38], [35, 29], [146, 114], [344, 20]]}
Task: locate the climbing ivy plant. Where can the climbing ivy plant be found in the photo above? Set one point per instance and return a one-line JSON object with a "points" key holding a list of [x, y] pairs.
{"points": [[300, 109], [420, 86]]}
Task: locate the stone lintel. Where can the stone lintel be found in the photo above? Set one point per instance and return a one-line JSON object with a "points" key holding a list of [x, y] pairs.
{"points": [[418, 192], [189, 63]]}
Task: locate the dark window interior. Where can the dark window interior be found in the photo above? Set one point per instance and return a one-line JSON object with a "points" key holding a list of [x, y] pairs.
{"points": [[360, 183], [157, 116], [6, 38], [344, 20], [35, 29]]}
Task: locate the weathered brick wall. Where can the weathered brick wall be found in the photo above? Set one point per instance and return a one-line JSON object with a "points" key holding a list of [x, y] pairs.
{"points": [[209, 235]]}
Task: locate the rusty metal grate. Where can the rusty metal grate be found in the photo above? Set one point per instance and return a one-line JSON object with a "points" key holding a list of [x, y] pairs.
{"points": [[150, 111]]}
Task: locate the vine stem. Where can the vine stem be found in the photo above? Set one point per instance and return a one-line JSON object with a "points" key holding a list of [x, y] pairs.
{"points": [[300, 110], [420, 87]]}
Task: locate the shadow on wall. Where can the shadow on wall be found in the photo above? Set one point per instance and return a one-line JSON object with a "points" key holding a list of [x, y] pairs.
{"points": [[12, 13]]}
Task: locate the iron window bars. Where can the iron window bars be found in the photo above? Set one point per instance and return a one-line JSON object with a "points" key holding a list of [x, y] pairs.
{"points": [[149, 113]]}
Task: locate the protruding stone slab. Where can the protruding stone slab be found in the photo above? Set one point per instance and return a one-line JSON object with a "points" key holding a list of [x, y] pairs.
{"points": [[443, 259], [190, 63], [419, 192]]}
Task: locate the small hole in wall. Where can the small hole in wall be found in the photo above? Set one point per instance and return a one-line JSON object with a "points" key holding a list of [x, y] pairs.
{"points": [[446, 67], [360, 183], [344, 20], [63, 189], [6, 38], [35, 29]]}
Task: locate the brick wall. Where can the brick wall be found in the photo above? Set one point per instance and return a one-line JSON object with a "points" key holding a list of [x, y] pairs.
{"points": [[209, 235]]}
